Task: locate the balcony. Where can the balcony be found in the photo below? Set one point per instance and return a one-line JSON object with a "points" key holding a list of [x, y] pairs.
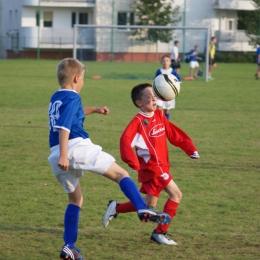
{"points": [[234, 5], [51, 38], [233, 41], [60, 3]]}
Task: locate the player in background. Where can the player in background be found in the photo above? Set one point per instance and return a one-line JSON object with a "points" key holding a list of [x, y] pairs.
{"points": [[148, 133], [175, 63], [212, 50], [72, 152], [258, 61], [193, 61], [166, 106]]}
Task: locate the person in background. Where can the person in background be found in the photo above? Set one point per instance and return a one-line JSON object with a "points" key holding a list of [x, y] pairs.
{"points": [[258, 61], [193, 62], [175, 63], [166, 69], [212, 50]]}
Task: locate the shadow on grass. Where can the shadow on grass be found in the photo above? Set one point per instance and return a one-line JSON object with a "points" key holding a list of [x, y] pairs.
{"points": [[33, 229]]}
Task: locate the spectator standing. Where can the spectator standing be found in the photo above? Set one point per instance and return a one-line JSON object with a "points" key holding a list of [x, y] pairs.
{"points": [[175, 63], [212, 50]]}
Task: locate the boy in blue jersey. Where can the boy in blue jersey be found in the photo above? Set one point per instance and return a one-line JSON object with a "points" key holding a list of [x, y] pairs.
{"points": [[193, 61], [166, 69], [72, 152], [258, 61]]}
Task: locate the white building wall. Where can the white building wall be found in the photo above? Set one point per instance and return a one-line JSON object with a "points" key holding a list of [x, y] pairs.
{"points": [[217, 14]]}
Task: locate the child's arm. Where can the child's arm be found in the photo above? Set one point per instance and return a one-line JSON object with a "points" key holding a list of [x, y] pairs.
{"points": [[127, 141], [63, 140], [179, 138], [101, 110]]}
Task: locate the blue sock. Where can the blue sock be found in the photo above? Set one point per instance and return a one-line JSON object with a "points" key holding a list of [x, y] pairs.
{"points": [[71, 220], [167, 116], [132, 193]]}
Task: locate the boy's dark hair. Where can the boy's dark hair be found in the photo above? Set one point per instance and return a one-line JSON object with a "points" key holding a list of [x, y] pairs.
{"points": [[165, 56], [137, 92], [213, 38], [176, 42]]}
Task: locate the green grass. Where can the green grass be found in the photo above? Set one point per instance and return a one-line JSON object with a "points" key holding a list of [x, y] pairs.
{"points": [[218, 217]]}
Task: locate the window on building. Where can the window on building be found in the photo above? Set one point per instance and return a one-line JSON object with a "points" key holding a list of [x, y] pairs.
{"points": [[10, 19], [16, 19], [230, 25], [47, 19], [73, 19], [125, 18], [83, 18], [37, 19]]}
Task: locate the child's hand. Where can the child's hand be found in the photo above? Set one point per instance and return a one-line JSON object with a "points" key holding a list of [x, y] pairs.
{"points": [[63, 163], [103, 110], [195, 155]]}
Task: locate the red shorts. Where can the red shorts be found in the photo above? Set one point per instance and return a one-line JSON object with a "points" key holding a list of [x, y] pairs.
{"points": [[156, 185]]}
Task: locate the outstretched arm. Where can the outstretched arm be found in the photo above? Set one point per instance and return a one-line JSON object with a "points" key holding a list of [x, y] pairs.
{"points": [[180, 139], [101, 110]]}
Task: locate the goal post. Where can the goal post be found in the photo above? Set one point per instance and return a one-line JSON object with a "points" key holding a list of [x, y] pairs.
{"points": [[110, 41]]}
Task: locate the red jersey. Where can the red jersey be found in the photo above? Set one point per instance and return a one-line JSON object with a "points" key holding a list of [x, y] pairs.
{"points": [[149, 134]]}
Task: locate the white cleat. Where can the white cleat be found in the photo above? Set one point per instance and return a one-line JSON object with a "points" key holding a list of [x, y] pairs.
{"points": [[162, 238], [110, 213]]}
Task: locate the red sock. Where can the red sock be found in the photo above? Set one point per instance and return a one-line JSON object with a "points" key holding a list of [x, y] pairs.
{"points": [[125, 207], [170, 208]]}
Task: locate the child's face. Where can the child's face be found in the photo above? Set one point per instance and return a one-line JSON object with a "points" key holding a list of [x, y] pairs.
{"points": [[80, 82], [166, 63], [147, 104]]}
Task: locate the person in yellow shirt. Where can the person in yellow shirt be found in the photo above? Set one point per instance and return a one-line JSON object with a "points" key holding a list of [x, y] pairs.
{"points": [[212, 50]]}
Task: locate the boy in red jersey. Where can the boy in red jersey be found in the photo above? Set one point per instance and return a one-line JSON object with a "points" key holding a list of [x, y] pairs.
{"points": [[148, 133]]}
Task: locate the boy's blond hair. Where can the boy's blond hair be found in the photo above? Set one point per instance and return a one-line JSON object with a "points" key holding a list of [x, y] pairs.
{"points": [[67, 69]]}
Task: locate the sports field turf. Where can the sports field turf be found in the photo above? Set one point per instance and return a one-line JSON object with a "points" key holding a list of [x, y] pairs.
{"points": [[219, 216]]}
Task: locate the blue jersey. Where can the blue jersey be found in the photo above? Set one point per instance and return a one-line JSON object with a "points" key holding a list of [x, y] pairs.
{"points": [[66, 112], [194, 57], [163, 71], [257, 53]]}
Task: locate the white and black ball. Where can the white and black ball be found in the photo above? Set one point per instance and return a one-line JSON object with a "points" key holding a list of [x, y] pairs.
{"points": [[166, 87]]}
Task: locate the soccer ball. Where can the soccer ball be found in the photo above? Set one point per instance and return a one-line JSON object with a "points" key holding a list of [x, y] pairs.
{"points": [[166, 87]]}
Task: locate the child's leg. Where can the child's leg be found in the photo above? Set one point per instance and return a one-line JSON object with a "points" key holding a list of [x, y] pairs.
{"points": [[128, 187], [191, 72], [171, 204], [71, 217], [196, 72], [167, 113]]}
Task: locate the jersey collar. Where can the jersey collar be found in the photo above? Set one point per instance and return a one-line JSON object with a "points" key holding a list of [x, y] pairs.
{"points": [[146, 115], [63, 89]]}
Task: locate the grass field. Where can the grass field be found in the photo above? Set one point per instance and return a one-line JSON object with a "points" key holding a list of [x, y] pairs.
{"points": [[219, 216]]}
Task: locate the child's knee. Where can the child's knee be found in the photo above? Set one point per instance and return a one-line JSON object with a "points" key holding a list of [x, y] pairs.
{"points": [[176, 196]]}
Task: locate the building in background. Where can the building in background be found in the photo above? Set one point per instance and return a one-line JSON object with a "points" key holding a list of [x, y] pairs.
{"points": [[22, 36]]}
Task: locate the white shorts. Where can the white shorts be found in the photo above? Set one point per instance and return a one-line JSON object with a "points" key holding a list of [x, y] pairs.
{"points": [[194, 64], [165, 104], [82, 155]]}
